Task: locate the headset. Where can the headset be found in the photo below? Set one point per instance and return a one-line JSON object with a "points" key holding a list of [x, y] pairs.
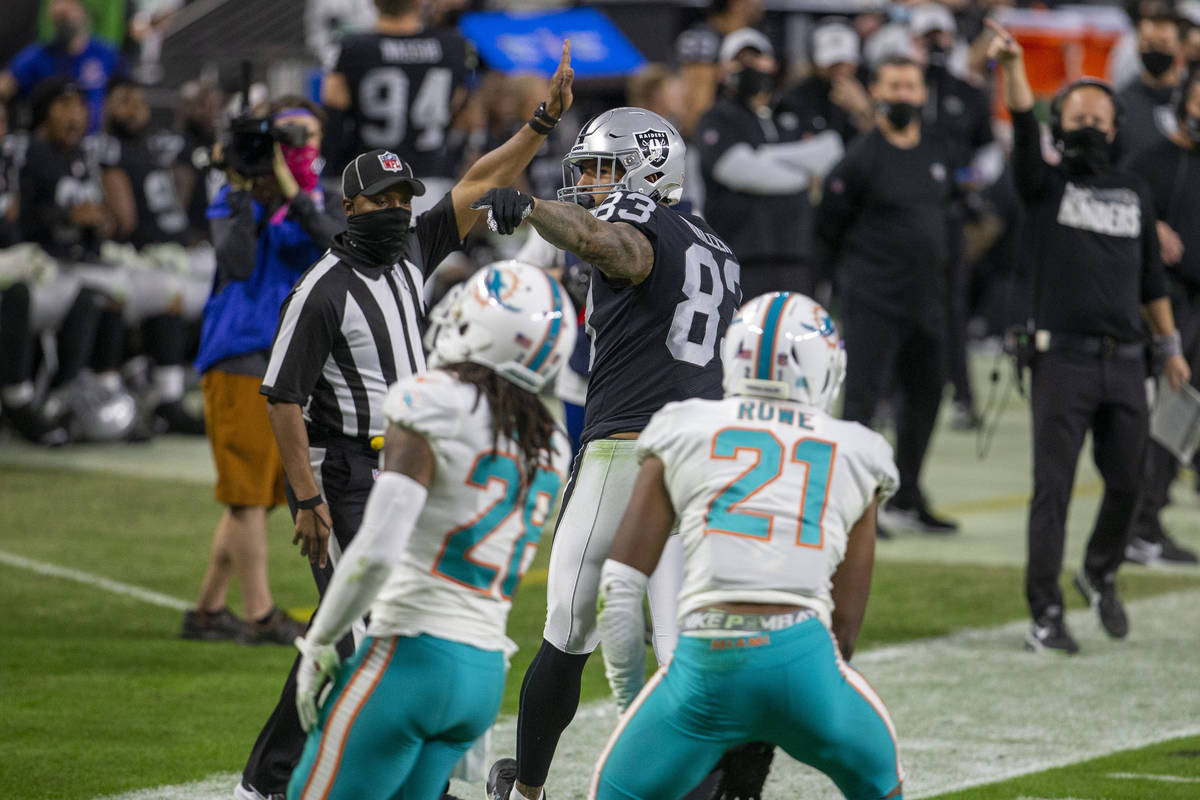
{"points": [[1056, 105]]}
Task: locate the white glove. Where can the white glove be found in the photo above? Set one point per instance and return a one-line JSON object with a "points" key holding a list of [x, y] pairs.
{"points": [[317, 662]]}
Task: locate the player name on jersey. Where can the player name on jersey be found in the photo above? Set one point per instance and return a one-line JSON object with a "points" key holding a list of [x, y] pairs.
{"points": [[767, 411], [410, 51]]}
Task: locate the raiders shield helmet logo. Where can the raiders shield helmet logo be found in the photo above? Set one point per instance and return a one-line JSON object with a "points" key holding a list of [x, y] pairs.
{"points": [[654, 146]]}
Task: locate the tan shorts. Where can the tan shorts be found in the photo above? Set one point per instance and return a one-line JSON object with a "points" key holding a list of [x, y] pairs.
{"points": [[249, 469]]}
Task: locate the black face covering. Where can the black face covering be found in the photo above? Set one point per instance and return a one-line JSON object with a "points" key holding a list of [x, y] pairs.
{"points": [[64, 32], [379, 235], [1086, 151], [899, 115], [1157, 62], [750, 82], [122, 130]]}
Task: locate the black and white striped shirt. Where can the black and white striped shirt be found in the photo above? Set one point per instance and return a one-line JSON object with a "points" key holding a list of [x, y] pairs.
{"points": [[348, 330]]}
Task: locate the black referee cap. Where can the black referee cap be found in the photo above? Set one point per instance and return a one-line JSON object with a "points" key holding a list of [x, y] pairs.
{"points": [[377, 171]]}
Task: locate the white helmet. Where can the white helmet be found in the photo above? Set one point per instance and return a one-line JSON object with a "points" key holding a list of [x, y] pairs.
{"points": [[512, 317], [441, 314], [783, 345], [649, 150]]}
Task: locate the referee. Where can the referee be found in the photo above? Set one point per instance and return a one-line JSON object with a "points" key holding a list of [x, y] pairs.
{"points": [[350, 328], [1097, 273]]}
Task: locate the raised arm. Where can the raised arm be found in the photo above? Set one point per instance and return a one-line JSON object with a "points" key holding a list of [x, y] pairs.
{"points": [[502, 166], [619, 250]]}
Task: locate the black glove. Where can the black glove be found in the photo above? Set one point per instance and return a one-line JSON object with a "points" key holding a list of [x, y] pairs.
{"points": [[506, 208]]}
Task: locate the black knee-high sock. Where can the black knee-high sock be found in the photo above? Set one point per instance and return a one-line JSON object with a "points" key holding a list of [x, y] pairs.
{"points": [[165, 336], [110, 341], [16, 335], [78, 335], [549, 700]]}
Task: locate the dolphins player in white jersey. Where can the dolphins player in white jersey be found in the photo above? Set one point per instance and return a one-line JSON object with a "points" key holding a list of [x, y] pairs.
{"points": [[472, 463], [776, 504]]}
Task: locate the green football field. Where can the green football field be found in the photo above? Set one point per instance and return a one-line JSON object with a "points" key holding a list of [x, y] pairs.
{"points": [[101, 549]]}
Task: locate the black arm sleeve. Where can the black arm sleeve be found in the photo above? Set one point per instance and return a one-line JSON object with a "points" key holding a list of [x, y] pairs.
{"points": [[437, 233], [1031, 173], [1154, 275], [235, 239], [320, 226]]}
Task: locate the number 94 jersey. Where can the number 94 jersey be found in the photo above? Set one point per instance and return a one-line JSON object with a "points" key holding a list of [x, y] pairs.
{"points": [[765, 492], [658, 341], [477, 533]]}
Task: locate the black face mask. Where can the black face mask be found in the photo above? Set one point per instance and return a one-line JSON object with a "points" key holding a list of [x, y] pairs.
{"points": [[64, 32], [1157, 62], [1086, 151], [900, 115], [379, 235], [120, 129], [751, 82]]}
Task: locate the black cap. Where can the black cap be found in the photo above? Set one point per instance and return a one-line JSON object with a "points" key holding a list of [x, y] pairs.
{"points": [[377, 171]]}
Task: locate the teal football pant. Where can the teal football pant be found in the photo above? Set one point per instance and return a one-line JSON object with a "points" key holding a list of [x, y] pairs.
{"points": [[789, 687], [401, 714]]}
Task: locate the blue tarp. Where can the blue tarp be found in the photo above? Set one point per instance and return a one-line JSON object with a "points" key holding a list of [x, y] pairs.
{"points": [[532, 42]]}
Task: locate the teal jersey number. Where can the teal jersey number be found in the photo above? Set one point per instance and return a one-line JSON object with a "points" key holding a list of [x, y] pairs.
{"points": [[724, 514], [455, 562]]}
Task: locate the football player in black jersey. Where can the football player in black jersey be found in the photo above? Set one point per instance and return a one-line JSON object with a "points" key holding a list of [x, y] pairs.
{"points": [[397, 88], [663, 289], [136, 172]]}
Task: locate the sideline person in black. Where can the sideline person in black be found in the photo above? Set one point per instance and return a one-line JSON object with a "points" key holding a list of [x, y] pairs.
{"points": [[1097, 272], [756, 181], [1172, 169], [882, 226], [349, 329]]}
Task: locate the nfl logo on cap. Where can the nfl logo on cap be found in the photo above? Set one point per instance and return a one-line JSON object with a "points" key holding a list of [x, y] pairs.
{"points": [[391, 162]]}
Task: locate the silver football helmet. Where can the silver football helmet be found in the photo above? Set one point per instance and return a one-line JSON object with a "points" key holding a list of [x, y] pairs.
{"points": [[648, 150]]}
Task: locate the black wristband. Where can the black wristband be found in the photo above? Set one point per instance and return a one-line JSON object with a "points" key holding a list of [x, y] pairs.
{"points": [[541, 121], [310, 503]]}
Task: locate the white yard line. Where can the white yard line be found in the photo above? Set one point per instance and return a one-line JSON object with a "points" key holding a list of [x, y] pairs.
{"points": [[1133, 776], [91, 579], [971, 708]]}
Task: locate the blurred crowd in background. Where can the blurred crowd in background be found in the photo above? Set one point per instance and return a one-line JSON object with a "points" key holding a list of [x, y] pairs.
{"points": [[114, 113]]}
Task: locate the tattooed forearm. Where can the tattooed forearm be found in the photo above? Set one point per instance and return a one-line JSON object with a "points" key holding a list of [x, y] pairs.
{"points": [[618, 250]]}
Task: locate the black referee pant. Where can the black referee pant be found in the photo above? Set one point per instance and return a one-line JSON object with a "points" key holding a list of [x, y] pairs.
{"points": [[1161, 465], [1073, 391], [345, 473]]}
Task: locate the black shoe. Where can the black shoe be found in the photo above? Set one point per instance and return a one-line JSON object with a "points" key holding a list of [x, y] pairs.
{"points": [[277, 628], [211, 626], [500, 779], [882, 533], [245, 791], [917, 517], [746, 767], [1174, 553], [35, 425], [1102, 596], [1049, 632], [964, 417], [177, 419]]}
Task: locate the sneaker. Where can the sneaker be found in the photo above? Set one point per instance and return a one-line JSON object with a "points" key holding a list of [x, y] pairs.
{"points": [[210, 626], [174, 418], [916, 518], [746, 767], [38, 425], [500, 780], [278, 628], [1102, 596], [1049, 632], [1171, 552], [245, 791], [964, 417], [1142, 551], [883, 533]]}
